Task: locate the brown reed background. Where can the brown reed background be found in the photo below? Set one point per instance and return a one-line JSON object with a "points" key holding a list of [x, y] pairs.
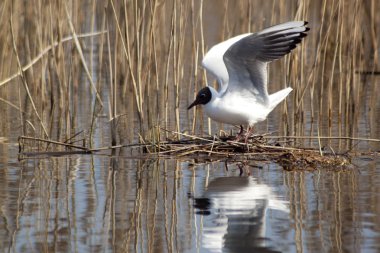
{"points": [[131, 67]]}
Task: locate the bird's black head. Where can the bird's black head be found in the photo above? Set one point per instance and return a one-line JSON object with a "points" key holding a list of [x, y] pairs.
{"points": [[203, 97]]}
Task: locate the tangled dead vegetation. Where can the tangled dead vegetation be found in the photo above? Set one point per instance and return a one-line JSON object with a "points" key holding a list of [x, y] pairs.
{"points": [[258, 148]]}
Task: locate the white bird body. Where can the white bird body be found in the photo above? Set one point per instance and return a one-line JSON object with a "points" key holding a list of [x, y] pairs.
{"points": [[240, 109], [240, 66]]}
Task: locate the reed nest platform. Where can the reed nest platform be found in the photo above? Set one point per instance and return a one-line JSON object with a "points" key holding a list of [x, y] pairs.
{"points": [[260, 148], [256, 149]]}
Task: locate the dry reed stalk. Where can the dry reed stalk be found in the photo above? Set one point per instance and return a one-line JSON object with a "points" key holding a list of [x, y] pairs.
{"points": [[112, 100], [80, 52], [100, 66], [175, 63], [179, 60], [20, 114], [92, 26], [332, 73], [355, 63], [194, 113], [193, 83], [226, 28], [341, 69], [167, 70], [139, 40], [301, 14], [374, 5], [127, 53], [11, 105], [203, 54], [155, 61], [148, 76], [42, 54], [23, 79]]}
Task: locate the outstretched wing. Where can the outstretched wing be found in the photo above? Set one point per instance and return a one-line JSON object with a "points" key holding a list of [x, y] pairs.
{"points": [[214, 64], [246, 59]]}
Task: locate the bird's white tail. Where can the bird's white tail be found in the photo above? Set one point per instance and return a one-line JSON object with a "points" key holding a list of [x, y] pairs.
{"points": [[276, 98]]}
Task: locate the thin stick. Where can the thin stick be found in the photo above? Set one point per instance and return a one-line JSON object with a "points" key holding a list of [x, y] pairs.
{"points": [[187, 135], [323, 137], [43, 53], [53, 142], [12, 105]]}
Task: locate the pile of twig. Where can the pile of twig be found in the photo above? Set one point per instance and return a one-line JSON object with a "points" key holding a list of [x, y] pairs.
{"points": [[258, 148]]}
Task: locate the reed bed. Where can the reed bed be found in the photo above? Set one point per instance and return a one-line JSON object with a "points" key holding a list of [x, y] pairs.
{"points": [[113, 73]]}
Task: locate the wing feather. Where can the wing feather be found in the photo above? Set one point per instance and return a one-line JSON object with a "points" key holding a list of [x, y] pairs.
{"points": [[246, 59], [214, 64]]}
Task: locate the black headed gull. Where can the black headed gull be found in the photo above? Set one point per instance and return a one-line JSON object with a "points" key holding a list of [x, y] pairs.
{"points": [[240, 66]]}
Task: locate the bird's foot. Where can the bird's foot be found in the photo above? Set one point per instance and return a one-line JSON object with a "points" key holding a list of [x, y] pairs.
{"points": [[243, 167], [244, 136], [240, 136], [249, 133]]}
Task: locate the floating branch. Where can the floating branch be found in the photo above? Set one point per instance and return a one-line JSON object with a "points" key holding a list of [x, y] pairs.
{"points": [[21, 140]]}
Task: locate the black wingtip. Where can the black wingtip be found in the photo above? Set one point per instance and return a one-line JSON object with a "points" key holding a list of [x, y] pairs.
{"points": [[303, 35], [305, 22]]}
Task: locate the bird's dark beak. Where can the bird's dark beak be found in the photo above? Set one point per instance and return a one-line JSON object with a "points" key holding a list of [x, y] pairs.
{"points": [[196, 102]]}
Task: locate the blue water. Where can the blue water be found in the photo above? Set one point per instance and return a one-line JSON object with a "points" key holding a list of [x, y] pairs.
{"points": [[87, 203]]}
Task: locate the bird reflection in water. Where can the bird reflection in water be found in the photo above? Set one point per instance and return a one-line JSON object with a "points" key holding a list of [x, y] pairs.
{"points": [[235, 213]]}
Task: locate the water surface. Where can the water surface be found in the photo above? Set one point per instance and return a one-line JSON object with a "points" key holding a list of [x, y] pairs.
{"points": [[97, 203]]}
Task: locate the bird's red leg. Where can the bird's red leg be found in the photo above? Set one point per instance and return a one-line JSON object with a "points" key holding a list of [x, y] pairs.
{"points": [[249, 133], [240, 134]]}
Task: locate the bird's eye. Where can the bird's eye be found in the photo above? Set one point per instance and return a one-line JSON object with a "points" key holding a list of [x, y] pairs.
{"points": [[202, 95]]}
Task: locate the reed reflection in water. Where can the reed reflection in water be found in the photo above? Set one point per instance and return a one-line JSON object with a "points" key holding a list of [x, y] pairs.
{"points": [[118, 204]]}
